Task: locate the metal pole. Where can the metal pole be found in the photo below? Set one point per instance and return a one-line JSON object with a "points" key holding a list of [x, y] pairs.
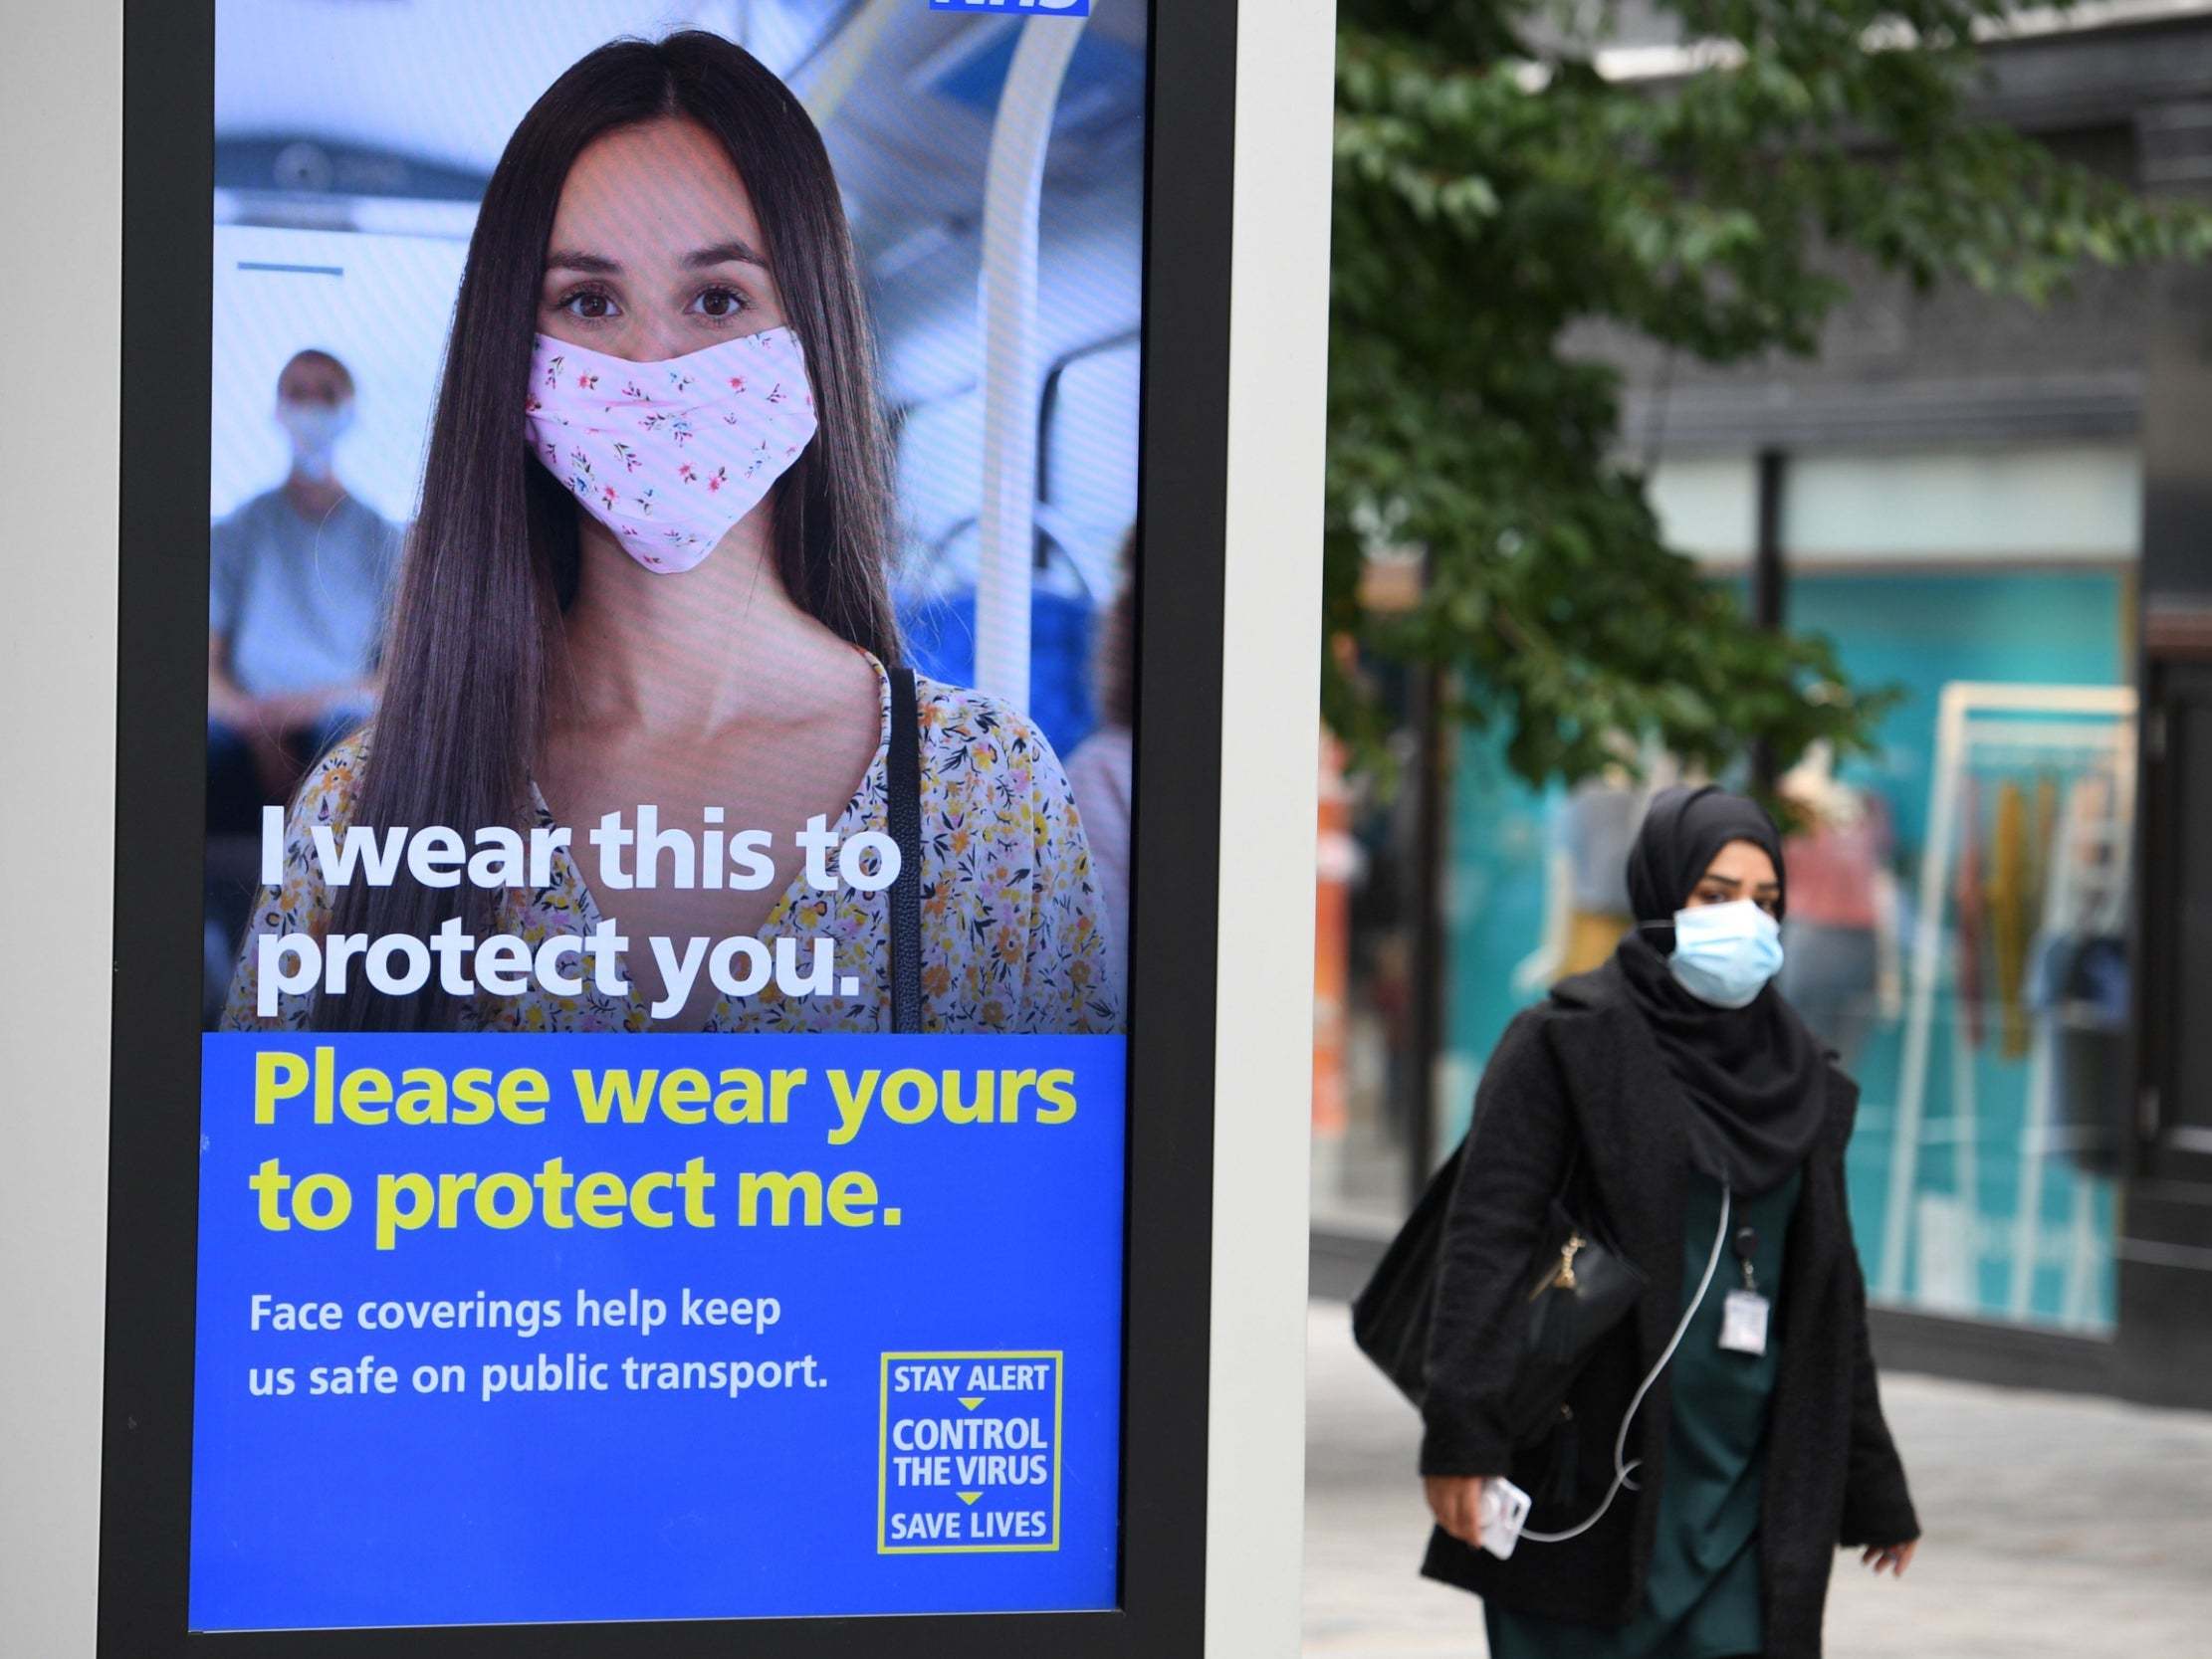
{"points": [[1769, 584], [1013, 187]]}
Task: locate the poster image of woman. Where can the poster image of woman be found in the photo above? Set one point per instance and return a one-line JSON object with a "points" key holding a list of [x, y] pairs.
{"points": [[649, 572]]}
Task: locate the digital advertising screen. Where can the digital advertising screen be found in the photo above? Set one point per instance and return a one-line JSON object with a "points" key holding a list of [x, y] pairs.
{"points": [[663, 1087]]}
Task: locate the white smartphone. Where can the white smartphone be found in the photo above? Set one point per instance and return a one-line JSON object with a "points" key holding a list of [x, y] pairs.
{"points": [[1502, 1513]]}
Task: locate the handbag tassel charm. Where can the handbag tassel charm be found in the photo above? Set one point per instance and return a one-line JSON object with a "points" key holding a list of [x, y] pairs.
{"points": [[1564, 1278]]}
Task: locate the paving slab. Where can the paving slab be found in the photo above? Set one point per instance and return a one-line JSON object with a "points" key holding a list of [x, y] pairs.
{"points": [[2058, 1527]]}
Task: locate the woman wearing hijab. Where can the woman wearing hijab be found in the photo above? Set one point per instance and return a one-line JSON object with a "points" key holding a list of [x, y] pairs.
{"points": [[1683, 1107]]}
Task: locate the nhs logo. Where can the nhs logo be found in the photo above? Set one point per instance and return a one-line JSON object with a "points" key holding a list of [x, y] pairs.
{"points": [[1019, 8]]}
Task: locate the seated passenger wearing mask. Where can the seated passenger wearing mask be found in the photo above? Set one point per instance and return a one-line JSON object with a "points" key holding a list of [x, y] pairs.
{"points": [[299, 579]]}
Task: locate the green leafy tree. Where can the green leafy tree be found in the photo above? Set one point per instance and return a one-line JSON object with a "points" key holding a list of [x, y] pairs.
{"points": [[1494, 191]]}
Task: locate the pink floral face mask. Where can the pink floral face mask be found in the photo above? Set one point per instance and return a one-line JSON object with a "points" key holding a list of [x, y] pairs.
{"points": [[670, 455]]}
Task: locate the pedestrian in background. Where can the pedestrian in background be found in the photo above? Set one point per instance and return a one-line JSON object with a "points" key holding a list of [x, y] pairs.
{"points": [[1674, 1100]]}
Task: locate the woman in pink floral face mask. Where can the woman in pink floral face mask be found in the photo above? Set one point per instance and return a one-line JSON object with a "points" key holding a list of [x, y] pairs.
{"points": [[650, 569], [698, 678]]}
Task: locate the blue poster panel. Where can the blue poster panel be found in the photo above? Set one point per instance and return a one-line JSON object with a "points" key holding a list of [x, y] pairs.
{"points": [[581, 1326]]}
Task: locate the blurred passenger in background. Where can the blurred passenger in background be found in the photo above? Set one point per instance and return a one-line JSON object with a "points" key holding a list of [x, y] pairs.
{"points": [[1099, 773], [299, 577]]}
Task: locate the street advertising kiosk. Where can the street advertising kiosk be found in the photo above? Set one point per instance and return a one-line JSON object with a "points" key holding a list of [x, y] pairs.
{"points": [[709, 989]]}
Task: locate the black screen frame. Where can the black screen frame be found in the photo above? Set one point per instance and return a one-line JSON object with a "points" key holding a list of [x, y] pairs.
{"points": [[145, 1479]]}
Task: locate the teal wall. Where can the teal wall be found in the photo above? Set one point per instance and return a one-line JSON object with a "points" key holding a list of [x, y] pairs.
{"points": [[1921, 632]]}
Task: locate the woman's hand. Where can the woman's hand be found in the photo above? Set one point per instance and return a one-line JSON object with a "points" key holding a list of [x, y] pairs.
{"points": [[1896, 1556], [1456, 1503]]}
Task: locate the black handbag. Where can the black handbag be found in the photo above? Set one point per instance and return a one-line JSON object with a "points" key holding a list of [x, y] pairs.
{"points": [[1580, 1287]]}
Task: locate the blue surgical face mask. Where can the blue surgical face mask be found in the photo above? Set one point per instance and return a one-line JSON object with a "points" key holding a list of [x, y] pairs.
{"points": [[1726, 954], [315, 429]]}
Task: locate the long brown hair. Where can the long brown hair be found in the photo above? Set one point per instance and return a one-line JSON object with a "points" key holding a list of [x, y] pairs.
{"points": [[493, 559]]}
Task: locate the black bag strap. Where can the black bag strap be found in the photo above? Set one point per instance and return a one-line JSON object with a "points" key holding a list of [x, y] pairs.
{"points": [[1566, 1192], [903, 767]]}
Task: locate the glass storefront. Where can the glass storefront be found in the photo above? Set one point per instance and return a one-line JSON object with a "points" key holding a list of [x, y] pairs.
{"points": [[1958, 928], [1992, 1051]]}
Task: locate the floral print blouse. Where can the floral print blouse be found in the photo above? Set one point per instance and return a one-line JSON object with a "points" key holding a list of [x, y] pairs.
{"points": [[1013, 925]]}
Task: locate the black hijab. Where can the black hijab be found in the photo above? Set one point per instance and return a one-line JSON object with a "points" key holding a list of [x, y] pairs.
{"points": [[1754, 1076]]}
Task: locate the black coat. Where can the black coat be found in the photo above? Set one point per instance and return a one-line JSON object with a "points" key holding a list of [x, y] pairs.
{"points": [[1585, 1065]]}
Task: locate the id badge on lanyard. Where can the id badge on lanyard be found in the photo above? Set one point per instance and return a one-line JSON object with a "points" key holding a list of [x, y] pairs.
{"points": [[1745, 1313]]}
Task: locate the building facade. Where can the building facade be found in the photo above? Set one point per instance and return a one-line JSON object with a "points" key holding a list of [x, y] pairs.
{"points": [[2004, 920]]}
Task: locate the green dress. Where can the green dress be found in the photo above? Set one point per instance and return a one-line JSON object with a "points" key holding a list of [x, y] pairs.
{"points": [[1702, 1597]]}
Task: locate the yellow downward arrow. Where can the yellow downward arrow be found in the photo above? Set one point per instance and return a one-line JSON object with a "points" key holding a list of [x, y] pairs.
{"points": [[971, 1402], [970, 1497]]}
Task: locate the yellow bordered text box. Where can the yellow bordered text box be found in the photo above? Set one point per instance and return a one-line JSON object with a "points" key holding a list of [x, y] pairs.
{"points": [[884, 1546]]}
